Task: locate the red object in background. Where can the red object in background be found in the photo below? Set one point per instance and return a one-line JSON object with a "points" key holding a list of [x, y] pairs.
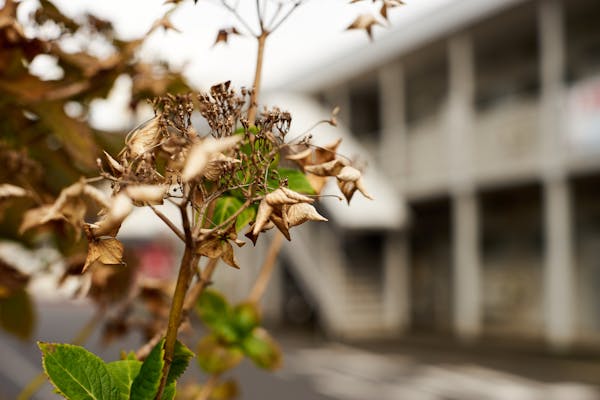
{"points": [[156, 260]]}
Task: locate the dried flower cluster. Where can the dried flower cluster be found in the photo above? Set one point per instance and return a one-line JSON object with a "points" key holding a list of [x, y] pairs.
{"points": [[229, 177]]}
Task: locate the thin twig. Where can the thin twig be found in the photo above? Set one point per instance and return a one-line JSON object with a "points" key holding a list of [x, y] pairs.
{"points": [[229, 220], [168, 222], [286, 16], [266, 270], [260, 16], [233, 11]]}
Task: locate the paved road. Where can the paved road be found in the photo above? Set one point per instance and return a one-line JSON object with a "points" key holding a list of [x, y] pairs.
{"points": [[318, 370]]}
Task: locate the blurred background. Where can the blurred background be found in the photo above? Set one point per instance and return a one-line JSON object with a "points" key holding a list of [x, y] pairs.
{"points": [[475, 273]]}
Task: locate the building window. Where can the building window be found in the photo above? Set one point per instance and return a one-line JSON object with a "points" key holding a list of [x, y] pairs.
{"points": [[426, 83], [583, 39], [364, 112], [507, 57]]}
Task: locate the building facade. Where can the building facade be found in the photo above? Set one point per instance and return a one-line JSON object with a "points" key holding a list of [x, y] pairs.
{"points": [[485, 119]]}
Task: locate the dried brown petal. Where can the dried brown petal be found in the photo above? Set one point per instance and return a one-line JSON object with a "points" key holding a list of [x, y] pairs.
{"points": [[361, 188], [145, 137], [349, 173], [200, 154], [228, 255], [105, 251], [33, 217], [330, 168], [262, 216], [284, 195], [300, 213], [118, 210], [7, 190], [364, 22], [218, 165], [153, 194]]}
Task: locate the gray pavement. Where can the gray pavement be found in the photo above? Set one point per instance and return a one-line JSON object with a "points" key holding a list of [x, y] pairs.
{"points": [[318, 370]]}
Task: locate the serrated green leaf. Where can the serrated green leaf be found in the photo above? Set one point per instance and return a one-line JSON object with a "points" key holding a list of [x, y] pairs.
{"points": [[296, 180], [170, 391], [225, 207], [17, 315], [145, 385], [215, 357], [181, 359], [123, 373], [262, 349], [76, 373]]}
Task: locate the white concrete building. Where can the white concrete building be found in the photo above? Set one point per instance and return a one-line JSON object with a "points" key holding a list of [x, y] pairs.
{"points": [[483, 126]]}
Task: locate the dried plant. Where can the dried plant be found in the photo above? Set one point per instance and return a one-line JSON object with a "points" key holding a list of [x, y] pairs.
{"points": [[225, 181]]}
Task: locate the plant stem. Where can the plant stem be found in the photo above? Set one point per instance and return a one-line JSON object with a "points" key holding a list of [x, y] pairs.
{"points": [[266, 270], [189, 302], [80, 338], [262, 38], [184, 277]]}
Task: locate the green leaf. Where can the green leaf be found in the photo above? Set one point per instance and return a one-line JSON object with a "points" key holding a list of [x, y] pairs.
{"points": [[77, 373], [169, 392], [225, 207], [145, 385], [181, 359], [245, 318], [212, 307], [123, 373], [296, 180], [262, 349], [215, 357], [245, 218], [17, 315], [216, 313]]}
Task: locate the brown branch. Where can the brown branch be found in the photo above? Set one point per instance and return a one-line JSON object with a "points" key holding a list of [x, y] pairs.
{"points": [[257, 77], [190, 300], [266, 270], [189, 259], [168, 222]]}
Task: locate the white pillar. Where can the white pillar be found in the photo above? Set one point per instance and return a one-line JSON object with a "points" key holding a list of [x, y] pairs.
{"points": [[466, 264], [396, 287], [559, 291], [465, 213]]}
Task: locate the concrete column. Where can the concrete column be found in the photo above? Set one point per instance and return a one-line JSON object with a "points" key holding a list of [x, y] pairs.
{"points": [[396, 287], [559, 291], [465, 213], [466, 263]]}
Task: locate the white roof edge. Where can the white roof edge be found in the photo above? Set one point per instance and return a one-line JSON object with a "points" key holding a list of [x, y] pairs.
{"points": [[428, 26]]}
